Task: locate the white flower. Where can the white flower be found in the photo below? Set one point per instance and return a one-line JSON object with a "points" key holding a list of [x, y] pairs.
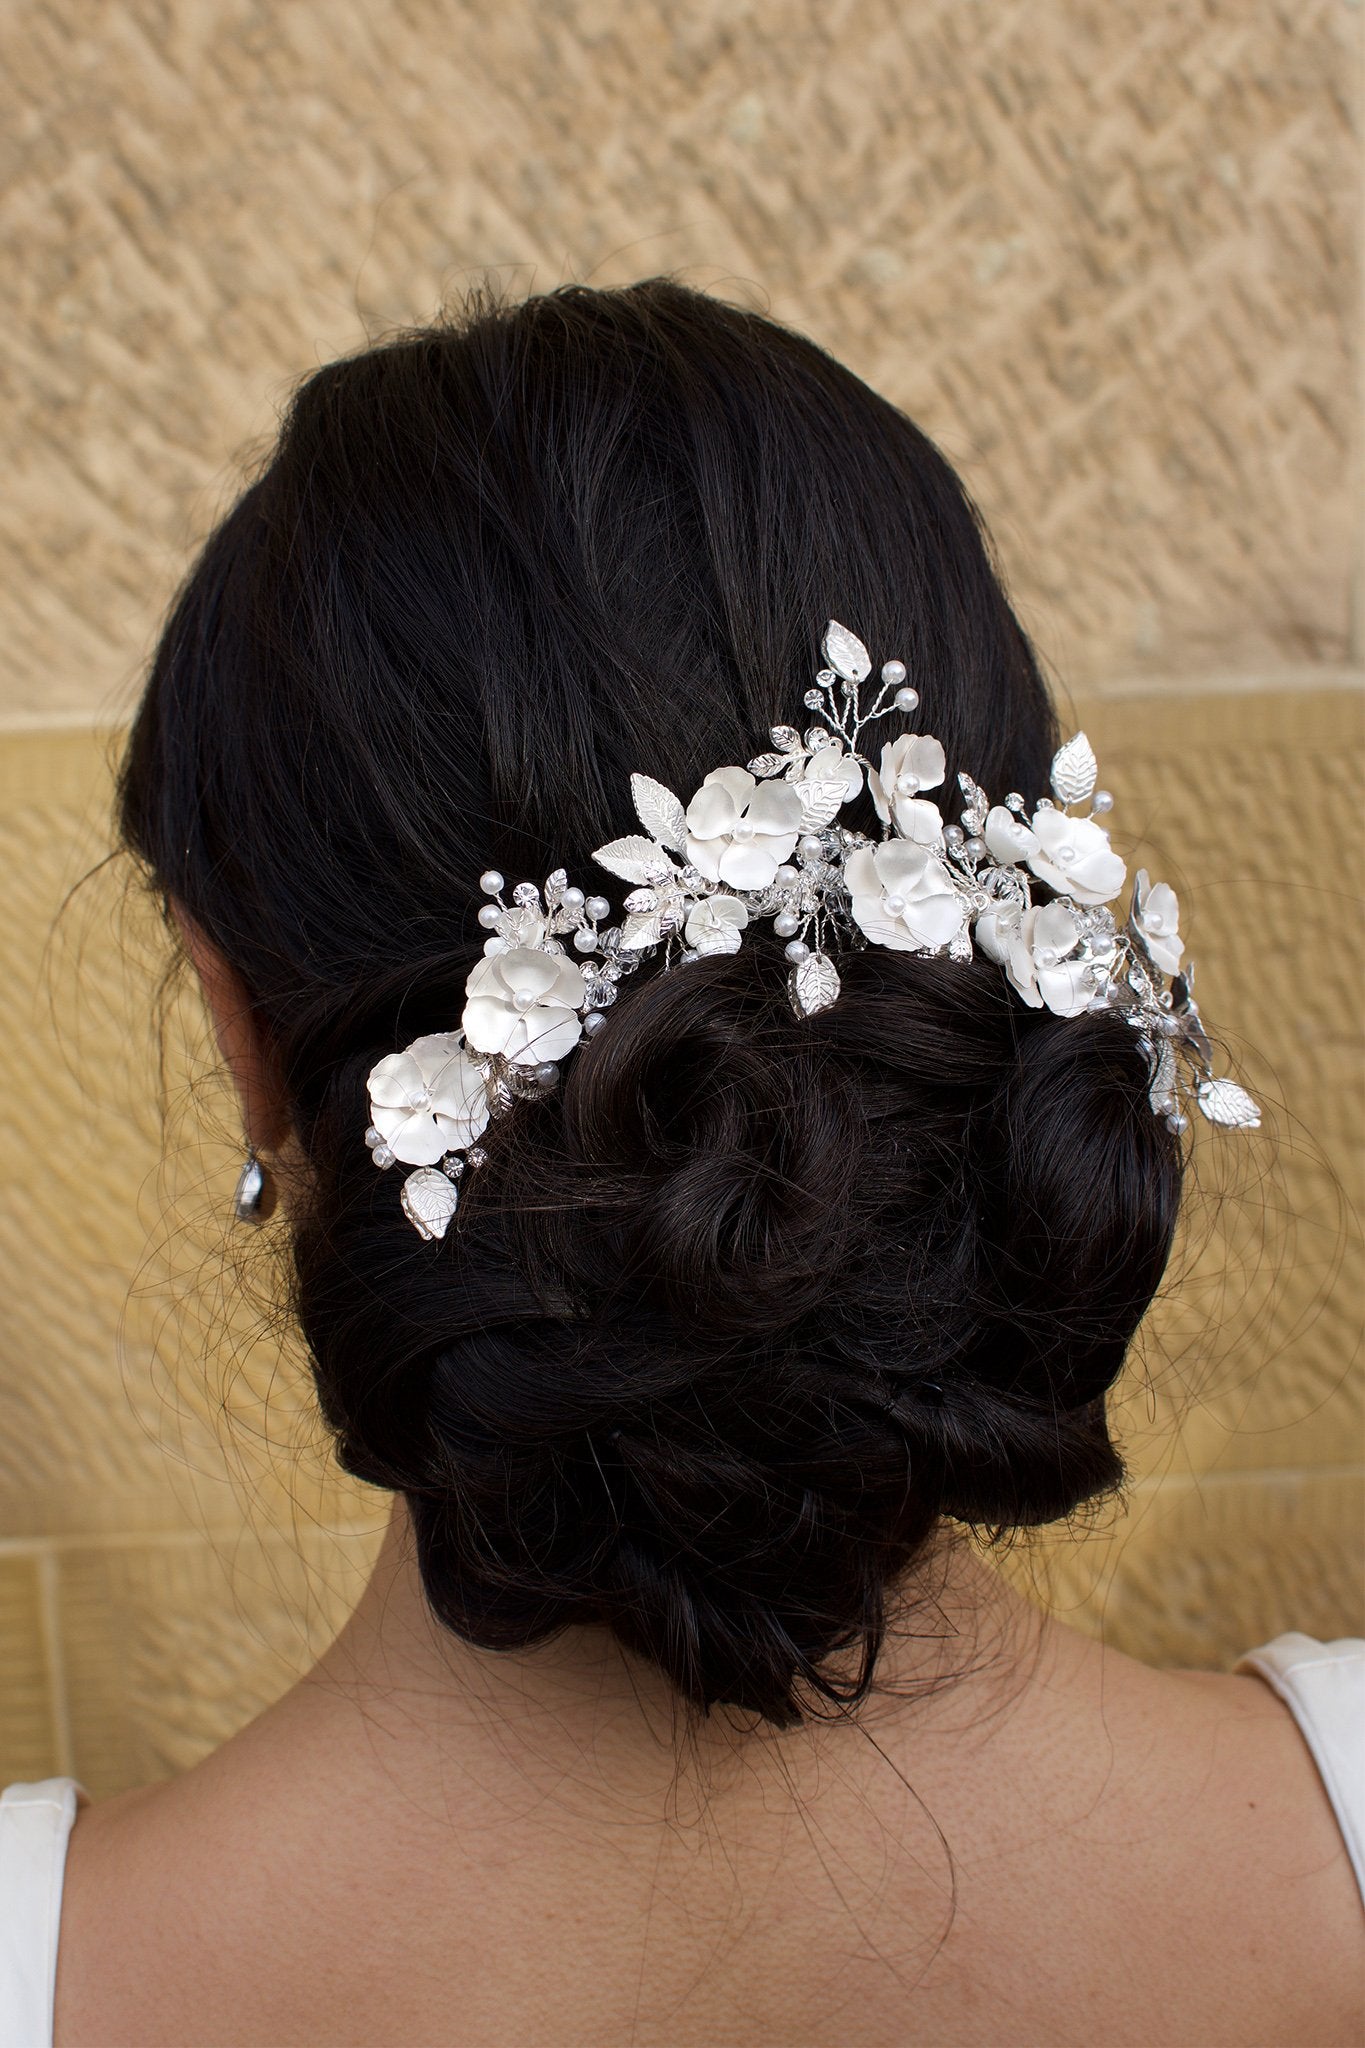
{"points": [[1072, 855], [523, 1004], [1035, 947], [909, 764], [1007, 838], [903, 896], [1075, 858], [831, 764], [739, 831], [714, 924], [1157, 912], [428, 1100]]}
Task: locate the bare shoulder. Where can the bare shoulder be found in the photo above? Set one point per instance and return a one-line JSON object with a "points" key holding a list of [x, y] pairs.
{"points": [[1293, 1907]]}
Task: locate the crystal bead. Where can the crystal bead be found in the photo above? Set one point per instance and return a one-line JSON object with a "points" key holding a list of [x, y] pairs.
{"points": [[1014, 802], [813, 700], [526, 895], [476, 1156]]}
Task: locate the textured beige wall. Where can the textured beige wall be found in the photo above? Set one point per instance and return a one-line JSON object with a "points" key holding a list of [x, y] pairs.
{"points": [[1106, 253]]}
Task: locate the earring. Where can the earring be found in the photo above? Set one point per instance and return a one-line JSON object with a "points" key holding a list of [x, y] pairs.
{"points": [[254, 1196]]}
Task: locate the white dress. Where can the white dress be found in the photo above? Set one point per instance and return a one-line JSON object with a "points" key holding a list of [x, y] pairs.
{"points": [[1322, 1684]]}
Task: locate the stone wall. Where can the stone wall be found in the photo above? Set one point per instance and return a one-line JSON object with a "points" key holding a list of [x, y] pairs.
{"points": [[1105, 253]]}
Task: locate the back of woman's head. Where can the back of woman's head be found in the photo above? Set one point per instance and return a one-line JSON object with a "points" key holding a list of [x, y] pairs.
{"points": [[730, 1322]]}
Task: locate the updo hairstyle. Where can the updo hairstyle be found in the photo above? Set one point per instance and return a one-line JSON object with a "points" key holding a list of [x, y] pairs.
{"points": [[729, 1323]]}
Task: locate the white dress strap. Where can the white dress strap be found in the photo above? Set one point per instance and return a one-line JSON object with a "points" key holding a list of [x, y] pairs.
{"points": [[1323, 1686], [35, 1826]]}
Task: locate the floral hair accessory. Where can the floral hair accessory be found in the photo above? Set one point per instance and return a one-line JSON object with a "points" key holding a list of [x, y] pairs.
{"points": [[763, 842]]}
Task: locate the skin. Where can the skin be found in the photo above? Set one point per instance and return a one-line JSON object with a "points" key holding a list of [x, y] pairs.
{"points": [[1025, 1839]]}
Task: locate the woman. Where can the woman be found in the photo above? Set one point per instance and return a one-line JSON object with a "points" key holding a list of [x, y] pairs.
{"points": [[734, 1263]]}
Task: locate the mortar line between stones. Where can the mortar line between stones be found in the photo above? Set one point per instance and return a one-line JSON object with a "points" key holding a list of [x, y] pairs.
{"points": [[54, 1655]]}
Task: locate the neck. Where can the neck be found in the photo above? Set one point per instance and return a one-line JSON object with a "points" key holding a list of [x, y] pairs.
{"points": [[416, 1689]]}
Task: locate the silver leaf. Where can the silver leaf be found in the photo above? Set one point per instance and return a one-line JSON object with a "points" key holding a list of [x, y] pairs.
{"points": [[1227, 1102], [845, 653], [633, 859], [1162, 1089], [641, 931], [659, 812], [643, 899], [555, 885], [787, 738], [767, 764], [821, 800], [814, 984], [960, 946], [1074, 770], [429, 1201]]}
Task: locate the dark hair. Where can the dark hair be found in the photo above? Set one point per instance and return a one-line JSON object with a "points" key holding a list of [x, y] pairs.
{"points": [[731, 1321]]}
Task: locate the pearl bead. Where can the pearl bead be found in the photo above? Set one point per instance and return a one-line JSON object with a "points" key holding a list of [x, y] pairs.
{"points": [[809, 845], [490, 881], [382, 1156], [895, 904], [974, 847], [797, 951], [592, 1023], [1065, 855], [419, 1100], [572, 899], [786, 924], [373, 1137], [597, 907], [742, 830], [786, 873], [906, 785], [907, 699], [584, 940], [1102, 801], [522, 999], [893, 671], [953, 835], [546, 1074], [489, 913]]}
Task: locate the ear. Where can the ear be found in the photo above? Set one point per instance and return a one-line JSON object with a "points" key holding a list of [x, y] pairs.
{"points": [[265, 1118]]}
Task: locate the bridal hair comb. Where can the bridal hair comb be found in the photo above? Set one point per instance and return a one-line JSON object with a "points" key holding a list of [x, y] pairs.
{"points": [[764, 842]]}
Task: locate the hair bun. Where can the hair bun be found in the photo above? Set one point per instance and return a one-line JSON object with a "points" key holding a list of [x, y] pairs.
{"points": [[727, 1326]]}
